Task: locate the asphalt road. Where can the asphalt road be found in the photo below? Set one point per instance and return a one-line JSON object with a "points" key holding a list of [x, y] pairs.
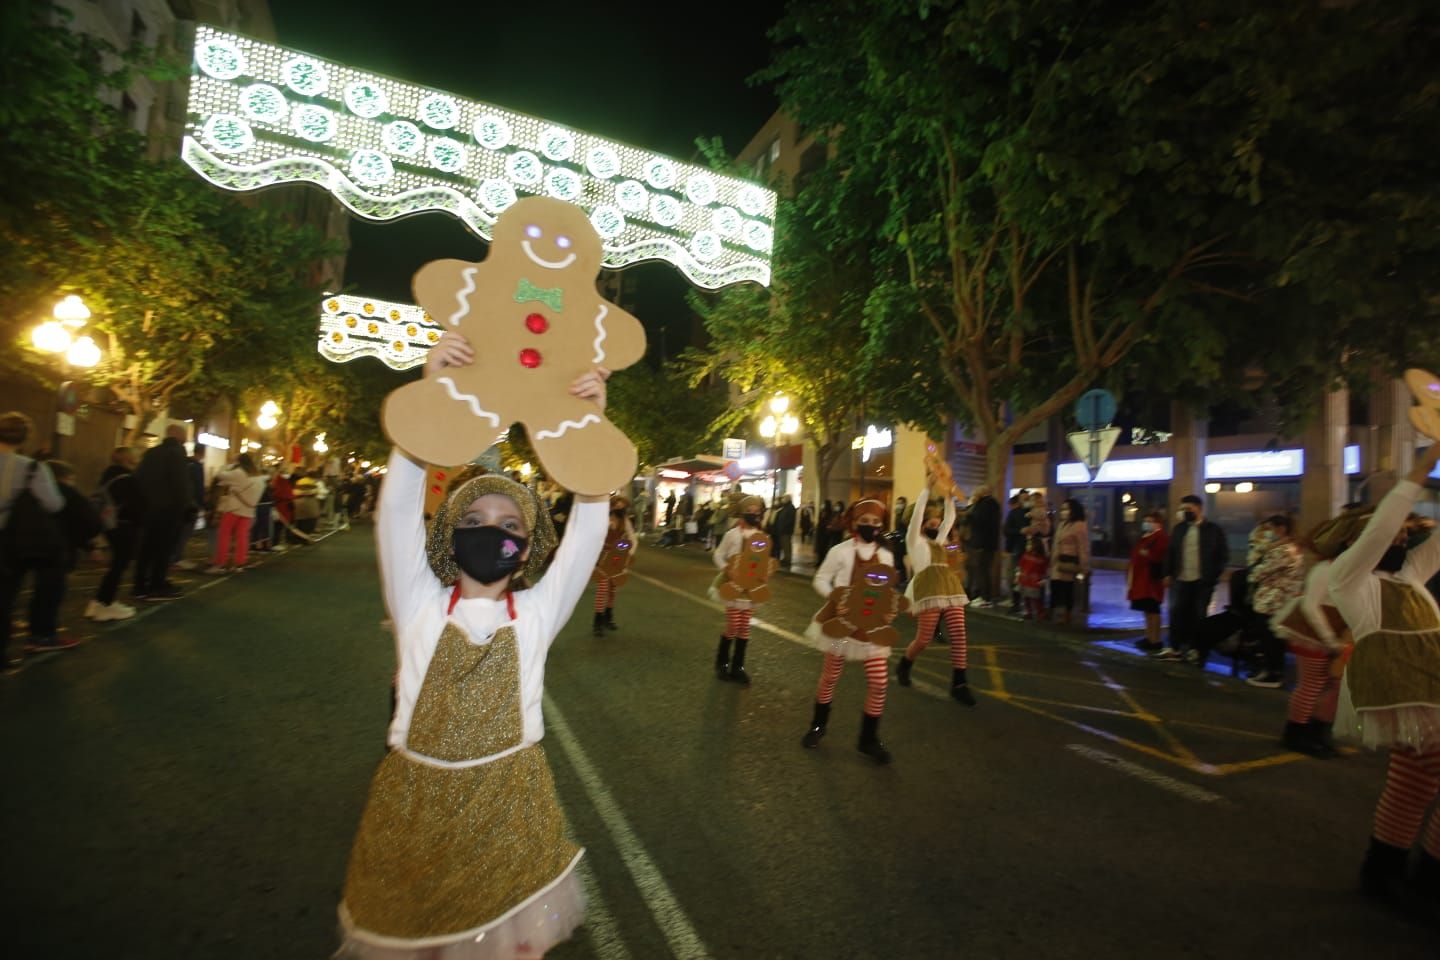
{"points": [[187, 784]]}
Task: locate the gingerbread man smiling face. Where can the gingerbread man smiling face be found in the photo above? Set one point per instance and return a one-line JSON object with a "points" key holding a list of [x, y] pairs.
{"points": [[536, 321]]}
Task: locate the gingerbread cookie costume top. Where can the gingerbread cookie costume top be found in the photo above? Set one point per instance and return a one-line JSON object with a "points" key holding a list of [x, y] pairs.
{"points": [[619, 550], [536, 321], [745, 560]]}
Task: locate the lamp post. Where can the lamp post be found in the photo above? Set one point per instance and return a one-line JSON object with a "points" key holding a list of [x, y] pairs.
{"points": [[774, 428], [57, 336]]}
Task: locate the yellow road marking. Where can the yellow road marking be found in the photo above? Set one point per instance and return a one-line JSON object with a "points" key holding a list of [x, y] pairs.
{"points": [[997, 676], [1154, 722]]}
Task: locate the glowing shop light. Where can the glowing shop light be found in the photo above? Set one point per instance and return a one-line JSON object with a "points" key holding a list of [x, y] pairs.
{"points": [[1071, 473], [1245, 486], [261, 114], [1352, 459], [83, 353], [873, 440], [1258, 463], [1212, 488], [211, 440], [674, 474], [755, 462]]}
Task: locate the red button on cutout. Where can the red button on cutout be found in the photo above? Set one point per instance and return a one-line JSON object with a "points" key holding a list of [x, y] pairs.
{"points": [[536, 323], [530, 358]]}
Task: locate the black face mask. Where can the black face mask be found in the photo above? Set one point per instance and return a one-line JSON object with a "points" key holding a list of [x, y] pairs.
{"points": [[867, 532], [488, 554], [1190, 516], [1393, 559], [931, 532], [751, 518]]}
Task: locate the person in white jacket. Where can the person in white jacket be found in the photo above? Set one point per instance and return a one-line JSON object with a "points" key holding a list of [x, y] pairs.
{"points": [[740, 608], [840, 568], [241, 487]]}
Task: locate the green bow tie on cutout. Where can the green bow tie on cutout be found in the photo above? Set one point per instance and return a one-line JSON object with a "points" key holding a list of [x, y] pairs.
{"points": [[549, 296]]}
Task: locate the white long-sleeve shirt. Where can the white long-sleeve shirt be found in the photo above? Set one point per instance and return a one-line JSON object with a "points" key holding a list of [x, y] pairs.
{"points": [[1354, 583], [417, 600], [916, 543], [729, 545], [839, 564]]}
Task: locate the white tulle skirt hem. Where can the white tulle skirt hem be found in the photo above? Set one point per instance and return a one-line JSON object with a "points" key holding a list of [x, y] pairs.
{"points": [[846, 647], [1414, 726], [528, 930]]}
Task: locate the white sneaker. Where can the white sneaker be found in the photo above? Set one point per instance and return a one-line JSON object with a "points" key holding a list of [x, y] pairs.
{"points": [[115, 611], [93, 609], [279, 548], [188, 565], [214, 569]]}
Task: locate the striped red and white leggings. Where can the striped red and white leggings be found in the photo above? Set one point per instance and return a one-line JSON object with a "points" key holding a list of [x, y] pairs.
{"points": [[954, 626], [877, 676], [1316, 693], [1410, 787], [604, 594], [737, 622]]}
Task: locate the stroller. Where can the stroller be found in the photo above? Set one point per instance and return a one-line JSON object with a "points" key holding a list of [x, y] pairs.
{"points": [[1234, 632]]}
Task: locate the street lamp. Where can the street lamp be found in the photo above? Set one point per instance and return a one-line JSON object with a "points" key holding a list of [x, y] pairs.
{"points": [[321, 447], [56, 336], [775, 428], [269, 415]]}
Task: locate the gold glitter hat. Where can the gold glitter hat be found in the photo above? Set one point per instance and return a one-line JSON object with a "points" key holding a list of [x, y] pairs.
{"points": [[538, 527], [752, 505], [1331, 537]]}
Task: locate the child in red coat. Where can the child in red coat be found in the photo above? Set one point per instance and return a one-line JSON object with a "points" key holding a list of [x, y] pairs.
{"points": [[1034, 571]]}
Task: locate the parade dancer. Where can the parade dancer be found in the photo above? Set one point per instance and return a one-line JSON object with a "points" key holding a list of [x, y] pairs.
{"points": [[461, 853], [1391, 692], [841, 567], [935, 591], [744, 559], [612, 569], [1315, 634]]}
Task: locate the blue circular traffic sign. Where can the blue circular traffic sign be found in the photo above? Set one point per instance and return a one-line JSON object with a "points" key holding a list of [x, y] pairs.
{"points": [[1095, 409]]}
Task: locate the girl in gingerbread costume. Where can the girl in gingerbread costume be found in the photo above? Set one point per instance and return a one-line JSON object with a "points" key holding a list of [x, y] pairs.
{"points": [[615, 559], [1390, 697], [739, 607], [935, 589], [461, 853], [840, 568]]}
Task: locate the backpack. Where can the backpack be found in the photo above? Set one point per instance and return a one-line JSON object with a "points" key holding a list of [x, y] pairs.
{"points": [[105, 506], [32, 535]]}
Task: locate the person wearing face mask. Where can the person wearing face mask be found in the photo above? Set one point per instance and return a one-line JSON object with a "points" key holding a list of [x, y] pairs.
{"points": [[935, 591], [1390, 696], [1145, 576], [620, 543], [842, 566], [1277, 576], [1070, 549], [739, 610], [1194, 563], [462, 841]]}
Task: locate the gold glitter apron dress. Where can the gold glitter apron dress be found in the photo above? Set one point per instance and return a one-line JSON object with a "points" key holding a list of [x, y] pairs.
{"points": [[938, 585], [448, 857], [1393, 678]]}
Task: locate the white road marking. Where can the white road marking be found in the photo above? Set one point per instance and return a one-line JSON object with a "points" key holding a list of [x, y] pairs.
{"points": [[1178, 787], [674, 924], [600, 923]]}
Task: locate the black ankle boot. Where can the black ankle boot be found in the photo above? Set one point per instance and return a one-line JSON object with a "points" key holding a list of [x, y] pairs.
{"points": [[1320, 733], [960, 688], [722, 659], [610, 619], [737, 672], [870, 744], [1427, 879], [902, 670], [1301, 738], [817, 726], [598, 629], [1382, 875]]}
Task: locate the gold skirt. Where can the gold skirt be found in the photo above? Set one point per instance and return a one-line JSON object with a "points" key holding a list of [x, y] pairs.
{"points": [[443, 853]]}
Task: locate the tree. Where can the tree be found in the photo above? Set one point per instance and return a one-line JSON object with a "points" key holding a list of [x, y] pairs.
{"points": [[1054, 187], [661, 412]]}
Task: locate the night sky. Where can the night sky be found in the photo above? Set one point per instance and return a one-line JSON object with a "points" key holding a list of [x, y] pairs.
{"points": [[653, 76]]}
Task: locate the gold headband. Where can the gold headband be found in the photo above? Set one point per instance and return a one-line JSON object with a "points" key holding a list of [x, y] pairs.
{"points": [[539, 529]]}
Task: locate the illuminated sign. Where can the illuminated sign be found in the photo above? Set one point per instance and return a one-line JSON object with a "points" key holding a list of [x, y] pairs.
{"points": [[211, 440], [674, 474], [260, 114], [873, 440], [1257, 463], [1138, 470], [399, 334], [1352, 459], [755, 462], [732, 449]]}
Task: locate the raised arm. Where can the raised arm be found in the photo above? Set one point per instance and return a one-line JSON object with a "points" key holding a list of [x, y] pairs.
{"points": [[1424, 560], [914, 536], [405, 570], [947, 520], [1360, 559]]}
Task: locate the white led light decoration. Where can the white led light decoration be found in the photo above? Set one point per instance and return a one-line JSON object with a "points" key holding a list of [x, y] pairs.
{"points": [[564, 184], [388, 149], [496, 195], [557, 143], [445, 155], [219, 57], [315, 124], [263, 103], [402, 138], [399, 334], [631, 196], [228, 133], [602, 162], [440, 111], [371, 167], [492, 132], [365, 98], [306, 76]]}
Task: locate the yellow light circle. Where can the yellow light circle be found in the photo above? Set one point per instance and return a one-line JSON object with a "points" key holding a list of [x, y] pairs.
{"points": [[399, 345], [369, 308], [337, 336], [434, 337], [332, 305], [395, 315], [411, 330], [351, 321], [374, 328]]}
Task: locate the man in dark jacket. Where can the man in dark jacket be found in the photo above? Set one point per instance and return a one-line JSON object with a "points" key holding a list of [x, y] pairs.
{"points": [[1193, 565], [1015, 522], [982, 542], [163, 479], [784, 531]]}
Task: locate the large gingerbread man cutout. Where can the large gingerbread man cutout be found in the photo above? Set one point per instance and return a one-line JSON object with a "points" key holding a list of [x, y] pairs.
{"points": [[536, 321]]}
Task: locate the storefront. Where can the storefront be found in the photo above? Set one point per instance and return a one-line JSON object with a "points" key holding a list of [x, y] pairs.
{"points": [[1116, 498], [872, 465], [1245, 487]]}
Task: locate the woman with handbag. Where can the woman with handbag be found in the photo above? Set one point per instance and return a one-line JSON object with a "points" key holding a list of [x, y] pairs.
{"points": [[241, 488], [1145, 577], [1070, 549]]}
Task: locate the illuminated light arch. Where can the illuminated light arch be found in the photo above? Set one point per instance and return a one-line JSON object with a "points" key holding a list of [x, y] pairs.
{"points": [[347, 113]]}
